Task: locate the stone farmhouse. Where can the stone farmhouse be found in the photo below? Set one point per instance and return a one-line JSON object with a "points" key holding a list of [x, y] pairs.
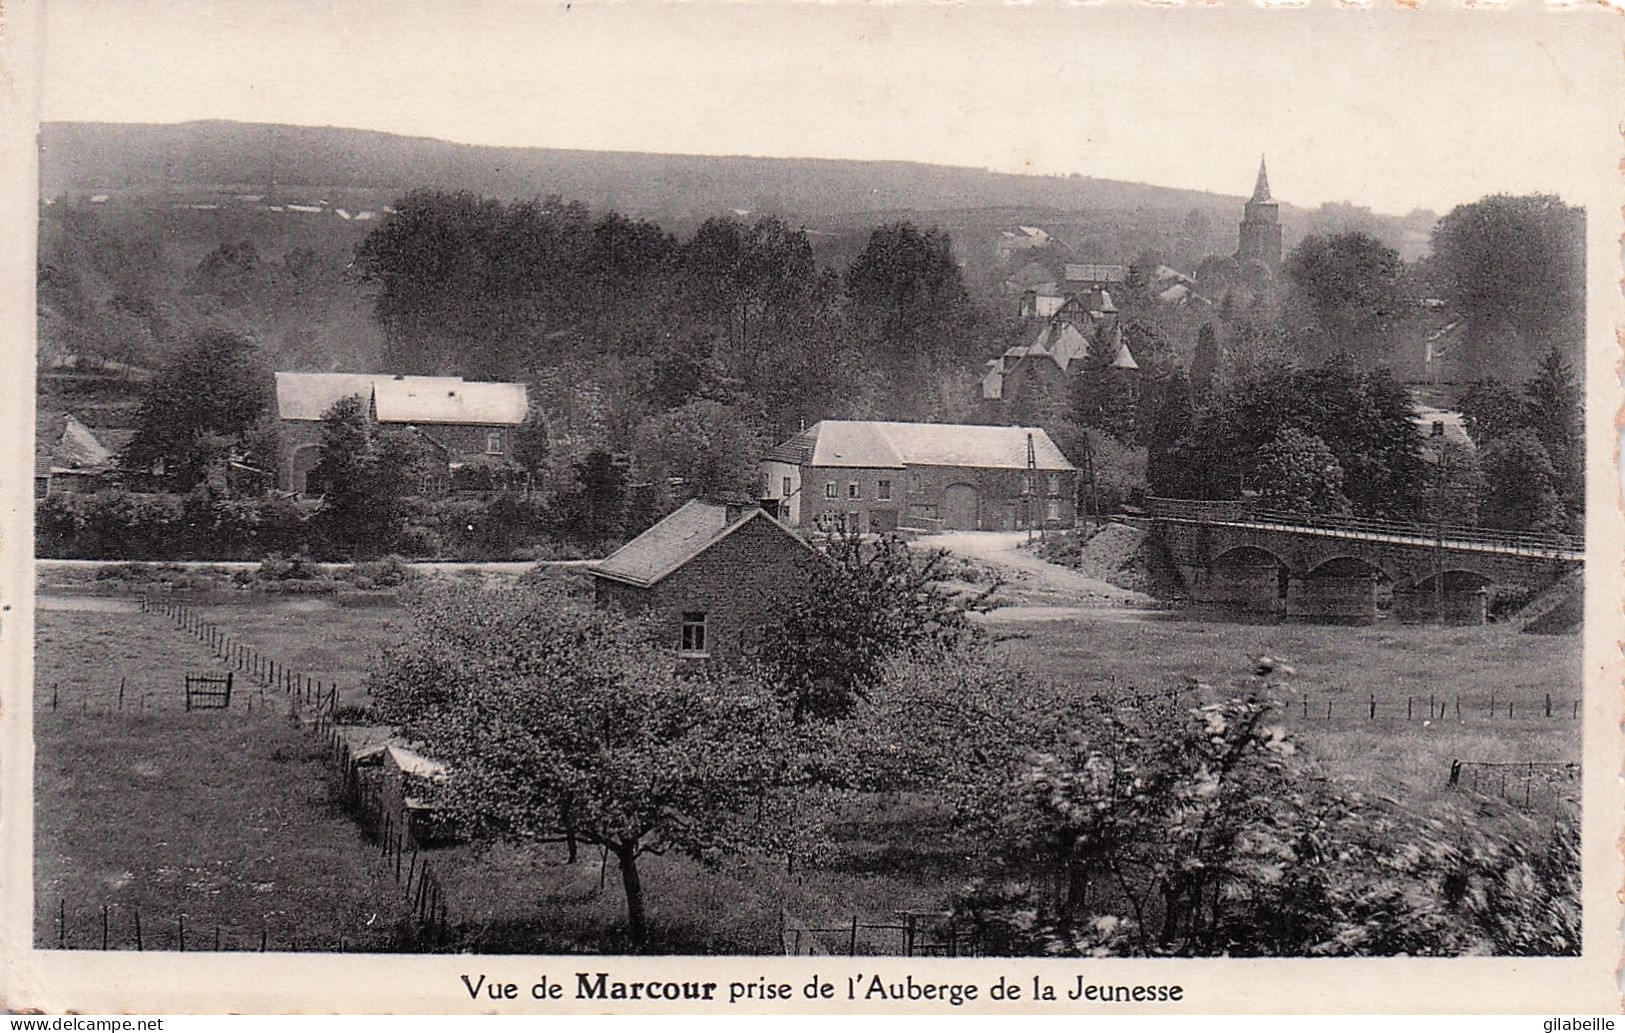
{"points": [[876, 476], [462, 420], [712, 574]]}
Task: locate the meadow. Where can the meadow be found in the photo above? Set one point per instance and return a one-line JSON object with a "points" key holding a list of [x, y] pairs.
{"points": [[227, 816]]}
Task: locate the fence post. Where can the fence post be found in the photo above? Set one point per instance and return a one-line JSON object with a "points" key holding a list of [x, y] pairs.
{"points": [[104, 927], [138, 945], [1458, 706], [180, 923], [264, 933], [852, 944], [62, 922], [1407, 708], [121, 693], [1373, 716], [1548, 704]]}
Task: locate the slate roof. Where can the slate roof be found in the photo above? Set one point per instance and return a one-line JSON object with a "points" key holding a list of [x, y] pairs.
{"points": [[883, 445], [670, 544], [62, 442], [402, 399], [449, 400], [1093, 272]]}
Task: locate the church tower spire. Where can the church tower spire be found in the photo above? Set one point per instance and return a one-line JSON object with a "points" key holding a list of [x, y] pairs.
{"points": [[1261, 189], [1260, 236]]}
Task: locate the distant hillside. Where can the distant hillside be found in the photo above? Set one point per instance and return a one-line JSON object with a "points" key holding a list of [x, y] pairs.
{"points": [[289, 163]]}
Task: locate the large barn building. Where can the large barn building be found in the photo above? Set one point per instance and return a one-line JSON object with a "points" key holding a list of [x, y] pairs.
{"points": [[461, 419], [877, 476]]}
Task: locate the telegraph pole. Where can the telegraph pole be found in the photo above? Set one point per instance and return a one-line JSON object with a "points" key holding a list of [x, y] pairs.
{"points": [[1029, 489]]}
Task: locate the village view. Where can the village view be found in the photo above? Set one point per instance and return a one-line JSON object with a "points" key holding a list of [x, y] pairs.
{"points": [[563, 569]]}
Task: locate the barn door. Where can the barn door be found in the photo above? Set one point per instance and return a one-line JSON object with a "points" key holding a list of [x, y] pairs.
{"points": [[960, 507]]}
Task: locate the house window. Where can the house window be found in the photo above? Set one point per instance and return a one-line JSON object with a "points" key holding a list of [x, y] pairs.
{"points": [[913, 481], [829, 489], [786, 487], [883, 491], [493, 442], [853, 491], [1052, 511], [693, 633], [1054, 484]]}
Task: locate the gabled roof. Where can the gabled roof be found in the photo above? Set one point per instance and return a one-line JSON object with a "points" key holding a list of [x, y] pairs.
{"points": [[1124, 358], [1092, 272], [448, 400], [883, 445], [402, 399], [672, 543], [62, 442]]}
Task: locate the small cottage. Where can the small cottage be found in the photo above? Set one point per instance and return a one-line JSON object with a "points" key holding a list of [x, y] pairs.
{"points": [[712, 573]]}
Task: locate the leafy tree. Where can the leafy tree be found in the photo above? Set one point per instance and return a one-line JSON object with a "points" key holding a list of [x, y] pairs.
{"points": [[369, 479], [1205, 362], [710, 448], [1492, 410], [1297, 473], [910, 308], [1556, 415], [203, 407], [1351, 284], [1102, 395], [593, 509], [1170, 419], [1521, 485], [872, 602], [561, 721], [1514, 268]]}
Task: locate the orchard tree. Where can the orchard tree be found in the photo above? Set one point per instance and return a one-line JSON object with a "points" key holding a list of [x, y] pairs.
{"points": [[560, 721], [212, 401], [872, 601]]}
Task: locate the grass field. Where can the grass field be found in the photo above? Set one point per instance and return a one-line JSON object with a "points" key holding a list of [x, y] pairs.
{"points": [[205, 818], [1346, 666], [225, 816]]}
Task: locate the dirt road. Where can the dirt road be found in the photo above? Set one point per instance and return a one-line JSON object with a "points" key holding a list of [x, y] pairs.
{"points": [[1035, 587]]}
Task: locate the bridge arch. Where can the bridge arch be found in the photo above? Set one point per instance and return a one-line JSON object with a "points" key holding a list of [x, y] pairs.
{"points": [[1349, 566], [1248, 556], [1456, 579]]}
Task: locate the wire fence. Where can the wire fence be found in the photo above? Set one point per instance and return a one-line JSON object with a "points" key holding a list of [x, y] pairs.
{"points": [[1527, 785], [111, 927], [302, 690], [909, 934]]}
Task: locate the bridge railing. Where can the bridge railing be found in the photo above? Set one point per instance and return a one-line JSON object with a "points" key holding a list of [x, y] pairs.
{"points": [[1239, 511]]}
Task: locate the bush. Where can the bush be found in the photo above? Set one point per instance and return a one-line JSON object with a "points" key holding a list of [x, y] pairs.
{"points": [[389, 572], [118, 524], [1157, 828], [294, 568]]}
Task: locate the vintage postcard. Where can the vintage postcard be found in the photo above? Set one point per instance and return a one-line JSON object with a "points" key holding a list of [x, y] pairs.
{"points": [[811, 508]]}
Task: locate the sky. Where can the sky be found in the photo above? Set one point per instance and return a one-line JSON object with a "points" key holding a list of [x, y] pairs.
{"points": [[1390, 109]]}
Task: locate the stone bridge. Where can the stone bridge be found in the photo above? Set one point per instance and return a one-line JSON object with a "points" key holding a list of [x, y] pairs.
{"points": [[1335, 567]]}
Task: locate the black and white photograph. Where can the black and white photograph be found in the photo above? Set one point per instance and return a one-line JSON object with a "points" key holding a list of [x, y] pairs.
{"points": [[751, 490]]}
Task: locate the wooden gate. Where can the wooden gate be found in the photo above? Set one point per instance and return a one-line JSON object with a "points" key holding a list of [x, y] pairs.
{"points": [[208, 691]]}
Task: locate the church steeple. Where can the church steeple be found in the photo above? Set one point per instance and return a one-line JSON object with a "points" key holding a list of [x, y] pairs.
{"points": [[1260, 238], [1261, 189]]}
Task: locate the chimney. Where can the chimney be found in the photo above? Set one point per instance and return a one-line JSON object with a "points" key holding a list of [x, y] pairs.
{"points": [[737, 509]]}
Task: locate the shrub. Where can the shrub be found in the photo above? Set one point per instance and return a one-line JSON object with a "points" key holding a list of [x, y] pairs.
{"points": [[1157, 828], [295, 568], [389, 572]]}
